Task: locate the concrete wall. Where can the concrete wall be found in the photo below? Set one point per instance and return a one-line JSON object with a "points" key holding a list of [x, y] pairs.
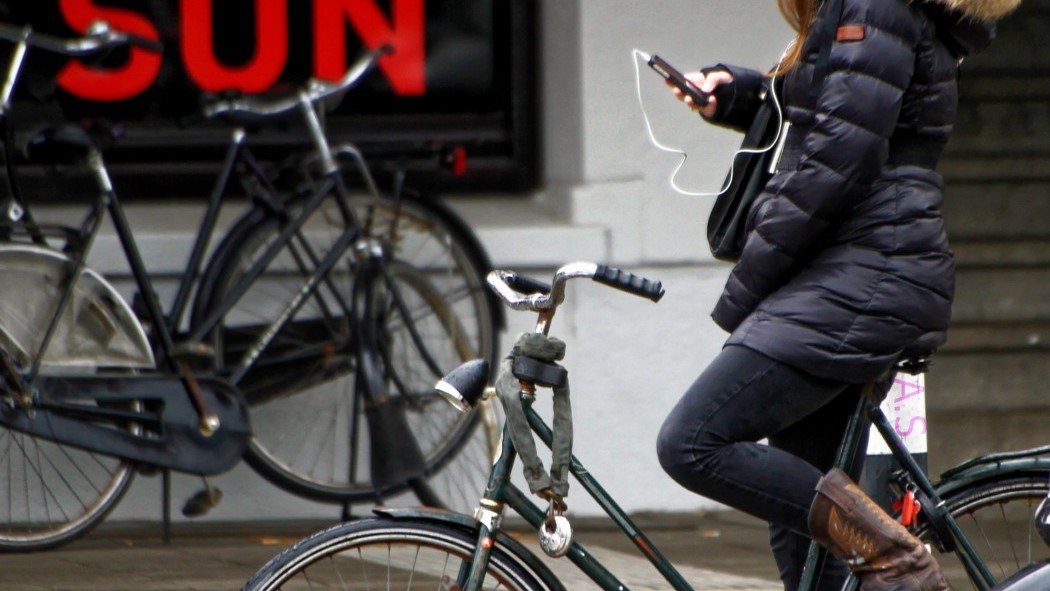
{"points": [[606, 198]]}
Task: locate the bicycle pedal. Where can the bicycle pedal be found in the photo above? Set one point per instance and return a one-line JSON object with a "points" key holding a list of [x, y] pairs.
{"points": [[202, 502]]}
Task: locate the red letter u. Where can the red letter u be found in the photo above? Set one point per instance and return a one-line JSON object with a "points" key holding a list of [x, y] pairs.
{"points": [[261, 71]]}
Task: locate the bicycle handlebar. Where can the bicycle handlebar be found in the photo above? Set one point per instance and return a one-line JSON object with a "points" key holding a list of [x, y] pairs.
{"points": [[524, 293], [99, 37], [313, 92]]}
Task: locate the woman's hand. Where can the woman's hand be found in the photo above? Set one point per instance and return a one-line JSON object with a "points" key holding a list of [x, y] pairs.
{"points": [[707, 85]]}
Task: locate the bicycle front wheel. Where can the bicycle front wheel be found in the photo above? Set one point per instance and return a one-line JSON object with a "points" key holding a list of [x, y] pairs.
{"points": [[308, 420], [383, 554], [997, 515]]}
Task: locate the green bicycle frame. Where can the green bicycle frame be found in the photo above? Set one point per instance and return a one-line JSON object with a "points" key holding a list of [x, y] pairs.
{"points": [[501, 493]]}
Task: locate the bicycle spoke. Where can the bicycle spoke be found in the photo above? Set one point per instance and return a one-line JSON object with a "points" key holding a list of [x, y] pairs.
{"points": [[993, 515], [989, 546], [54, 492]]}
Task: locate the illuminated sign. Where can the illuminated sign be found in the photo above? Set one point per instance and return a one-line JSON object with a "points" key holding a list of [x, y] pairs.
{"points": [[460, 75]]}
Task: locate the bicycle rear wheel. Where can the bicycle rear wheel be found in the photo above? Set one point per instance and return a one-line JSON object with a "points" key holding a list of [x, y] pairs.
{"points": [[381, 554], [53, 493], [309, 431], [997, 517]]}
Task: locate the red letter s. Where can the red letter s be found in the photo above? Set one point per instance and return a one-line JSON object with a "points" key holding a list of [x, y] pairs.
{"points": [[114, 84], [404, 68]]}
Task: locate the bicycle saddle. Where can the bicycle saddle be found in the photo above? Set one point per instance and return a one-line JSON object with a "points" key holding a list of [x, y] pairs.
{"points": [[70, 143], [915, 358], [250, 111], [925, 345]]}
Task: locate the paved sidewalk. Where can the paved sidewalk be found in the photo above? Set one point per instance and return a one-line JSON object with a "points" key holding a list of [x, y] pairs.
{"points": [[714, 552]]}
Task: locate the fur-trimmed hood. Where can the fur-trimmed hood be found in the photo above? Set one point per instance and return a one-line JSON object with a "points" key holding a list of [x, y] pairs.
{"points": [[982, 10], [968, 26]]}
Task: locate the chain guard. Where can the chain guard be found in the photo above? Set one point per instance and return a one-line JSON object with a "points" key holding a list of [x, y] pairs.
{"points": [[146, 419]]}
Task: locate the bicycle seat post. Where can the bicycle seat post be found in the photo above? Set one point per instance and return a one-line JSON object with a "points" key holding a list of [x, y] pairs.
{"points": [[313, 122]]}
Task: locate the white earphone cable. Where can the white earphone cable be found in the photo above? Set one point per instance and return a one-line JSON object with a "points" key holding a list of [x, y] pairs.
{"points": [[637, 56]]}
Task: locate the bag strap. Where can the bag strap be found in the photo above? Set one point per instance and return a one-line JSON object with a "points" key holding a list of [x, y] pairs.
{"points": [[820, 67]]}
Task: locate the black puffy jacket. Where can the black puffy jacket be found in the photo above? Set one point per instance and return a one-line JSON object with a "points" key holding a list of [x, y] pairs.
{"points": [[846, 261]]}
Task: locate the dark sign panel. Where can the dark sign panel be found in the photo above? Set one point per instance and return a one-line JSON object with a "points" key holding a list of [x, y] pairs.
{"points": [[460, 80]]}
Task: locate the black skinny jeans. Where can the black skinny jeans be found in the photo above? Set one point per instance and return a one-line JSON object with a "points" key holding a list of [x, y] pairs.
{"points": [[708, 444]]}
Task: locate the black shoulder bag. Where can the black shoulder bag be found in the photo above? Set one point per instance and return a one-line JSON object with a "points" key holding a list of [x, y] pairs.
{"points": [[752, 170]]}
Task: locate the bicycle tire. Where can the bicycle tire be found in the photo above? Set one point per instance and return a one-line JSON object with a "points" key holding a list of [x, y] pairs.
{"points": [[427, 239], [61, 494], [51, 493], [407, 554], [997, 516]]}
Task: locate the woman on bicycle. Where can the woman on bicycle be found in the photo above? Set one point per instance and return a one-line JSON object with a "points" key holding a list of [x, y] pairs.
{"points": [[845, 264]]}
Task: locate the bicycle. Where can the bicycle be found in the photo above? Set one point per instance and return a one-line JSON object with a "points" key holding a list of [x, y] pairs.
{"points": [[410, 548], [322, 306]]}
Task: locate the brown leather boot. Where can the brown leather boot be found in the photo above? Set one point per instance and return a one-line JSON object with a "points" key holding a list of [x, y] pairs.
{"points": [[880, 551]]}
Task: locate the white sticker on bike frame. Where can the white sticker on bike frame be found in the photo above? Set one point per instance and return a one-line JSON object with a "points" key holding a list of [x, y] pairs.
{"points": [[905, 407]]}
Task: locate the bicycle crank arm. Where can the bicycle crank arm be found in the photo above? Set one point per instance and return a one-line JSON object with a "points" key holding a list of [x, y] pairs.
{"points": [[146, 419]]}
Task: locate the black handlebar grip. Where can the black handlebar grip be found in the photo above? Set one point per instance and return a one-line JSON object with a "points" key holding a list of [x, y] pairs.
{"points": [[629, 282], [527, 285]]}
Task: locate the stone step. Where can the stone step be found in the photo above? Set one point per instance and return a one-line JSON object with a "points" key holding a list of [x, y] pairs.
{"points": [[987, 387], [998, 337], [1014, 253], [982, 401], [1022, 44], [995, 167], [1003, 126], [1002, 294], [1005, 209], [960, 434], [1005, 381], [1000, 86]]}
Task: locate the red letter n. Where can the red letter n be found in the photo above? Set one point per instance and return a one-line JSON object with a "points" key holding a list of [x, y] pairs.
{"points": [[404, 31]]}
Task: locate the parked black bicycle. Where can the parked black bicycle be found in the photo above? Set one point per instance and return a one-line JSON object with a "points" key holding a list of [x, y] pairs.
{"points": [[307, 338]]}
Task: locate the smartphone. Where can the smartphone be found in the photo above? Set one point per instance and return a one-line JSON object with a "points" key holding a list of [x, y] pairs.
{"points": [[669, 72]]}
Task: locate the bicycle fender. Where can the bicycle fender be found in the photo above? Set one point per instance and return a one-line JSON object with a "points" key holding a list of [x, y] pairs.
{"points": [[467, 523], [96, 329], [957, 479]]}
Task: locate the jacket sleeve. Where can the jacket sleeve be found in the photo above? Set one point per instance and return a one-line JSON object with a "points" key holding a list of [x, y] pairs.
{"points": [[844, 148], [738, 101]]}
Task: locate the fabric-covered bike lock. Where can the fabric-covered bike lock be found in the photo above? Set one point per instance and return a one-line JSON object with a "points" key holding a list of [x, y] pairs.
{"points": [[533, 359]]}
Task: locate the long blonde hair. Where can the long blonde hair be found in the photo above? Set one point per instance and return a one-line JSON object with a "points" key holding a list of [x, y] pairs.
{"points": [[799, 14]]}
